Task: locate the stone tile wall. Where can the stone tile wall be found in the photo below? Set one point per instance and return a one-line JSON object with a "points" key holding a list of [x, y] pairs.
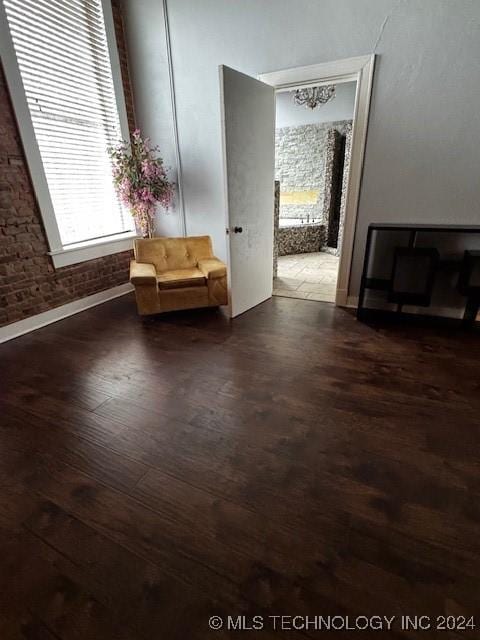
{"points": [[334, 154], [300, 165], [333, 164], [276, 227], [346, 171], [306, 238]]}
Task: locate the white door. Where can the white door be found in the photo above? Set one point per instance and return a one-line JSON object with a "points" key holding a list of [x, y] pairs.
{"points": [[248, 123]]}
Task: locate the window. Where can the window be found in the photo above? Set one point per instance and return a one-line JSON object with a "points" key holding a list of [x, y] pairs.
{"points": [[63, 52]]}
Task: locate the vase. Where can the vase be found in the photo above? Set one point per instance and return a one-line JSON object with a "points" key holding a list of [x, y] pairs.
{"points": [[144, 222]]}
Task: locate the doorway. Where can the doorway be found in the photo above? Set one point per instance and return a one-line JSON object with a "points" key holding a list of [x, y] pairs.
{"points": [[313, 135], [248, 142]]}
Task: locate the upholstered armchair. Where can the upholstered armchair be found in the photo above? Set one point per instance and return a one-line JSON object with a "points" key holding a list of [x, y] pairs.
{"points": [[177, 273]]}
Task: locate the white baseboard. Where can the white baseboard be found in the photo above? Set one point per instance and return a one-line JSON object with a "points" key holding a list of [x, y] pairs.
{"points": [[341, 297], [21, 327]]}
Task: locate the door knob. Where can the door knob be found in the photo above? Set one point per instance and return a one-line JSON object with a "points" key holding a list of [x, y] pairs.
{"points": [[237, 229]]}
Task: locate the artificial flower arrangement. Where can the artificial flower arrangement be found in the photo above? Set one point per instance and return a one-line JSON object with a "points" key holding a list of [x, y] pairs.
{"points": [[140, 180]]}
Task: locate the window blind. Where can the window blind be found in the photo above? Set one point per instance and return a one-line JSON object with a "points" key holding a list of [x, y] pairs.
{"points": [[63, 57]]}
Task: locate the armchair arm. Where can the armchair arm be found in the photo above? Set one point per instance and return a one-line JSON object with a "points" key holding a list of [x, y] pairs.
{"points": [[142, 273], [212, 268]]}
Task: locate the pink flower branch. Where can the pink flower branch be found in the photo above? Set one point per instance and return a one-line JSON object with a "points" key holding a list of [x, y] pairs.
{"points": [[140, 180]]}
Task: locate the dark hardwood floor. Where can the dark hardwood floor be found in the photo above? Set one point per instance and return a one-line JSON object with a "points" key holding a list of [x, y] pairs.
{"points": [[296, 462]]}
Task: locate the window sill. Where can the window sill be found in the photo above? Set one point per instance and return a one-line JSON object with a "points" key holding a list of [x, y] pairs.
{"points": [[83, 251]]}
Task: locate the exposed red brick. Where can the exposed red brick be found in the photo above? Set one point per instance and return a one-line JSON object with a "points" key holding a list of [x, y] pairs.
{"points": [[123, 56], [29, 284]]}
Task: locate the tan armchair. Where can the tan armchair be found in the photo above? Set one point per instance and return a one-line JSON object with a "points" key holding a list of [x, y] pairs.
{"points": [[177, 273]]}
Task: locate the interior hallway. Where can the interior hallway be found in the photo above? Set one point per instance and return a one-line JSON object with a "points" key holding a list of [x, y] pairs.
{"points": [[309, 276]]}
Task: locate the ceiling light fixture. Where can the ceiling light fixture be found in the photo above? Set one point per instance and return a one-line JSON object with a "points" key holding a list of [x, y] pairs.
{"points": [[312, 97]]}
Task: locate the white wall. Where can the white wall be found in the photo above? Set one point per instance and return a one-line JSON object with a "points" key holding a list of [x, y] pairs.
{"points": [[289, 114], [149, 76], [424, 136]]}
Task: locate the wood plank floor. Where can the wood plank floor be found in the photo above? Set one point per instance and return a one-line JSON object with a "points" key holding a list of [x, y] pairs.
{"points": [[296, 462]]}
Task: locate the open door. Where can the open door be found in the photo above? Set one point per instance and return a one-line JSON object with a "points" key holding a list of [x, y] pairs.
{"points": [[248, 123]]}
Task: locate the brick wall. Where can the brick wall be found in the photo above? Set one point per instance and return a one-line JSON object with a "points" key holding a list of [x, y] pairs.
{"points": [[123, 55], [28, 282]]}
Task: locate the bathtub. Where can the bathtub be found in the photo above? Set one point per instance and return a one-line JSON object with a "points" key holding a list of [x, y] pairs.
{"points": [[300, 237], [297, 222]]}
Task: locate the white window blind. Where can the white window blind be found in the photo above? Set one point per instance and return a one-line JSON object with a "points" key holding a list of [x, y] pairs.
{"points": [[63, 58]]}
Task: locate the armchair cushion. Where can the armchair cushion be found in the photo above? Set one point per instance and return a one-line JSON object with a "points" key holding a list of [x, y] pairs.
{"points": [[180, 279], [142, 273], [212, 268], [173, 253]]}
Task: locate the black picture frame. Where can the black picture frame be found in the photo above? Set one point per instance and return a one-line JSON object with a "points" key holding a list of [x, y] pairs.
{"points": [[370, 281], [415, 267], [469, 267]]}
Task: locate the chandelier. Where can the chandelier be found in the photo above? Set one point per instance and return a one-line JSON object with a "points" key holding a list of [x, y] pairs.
{"points": [[314, 96]]}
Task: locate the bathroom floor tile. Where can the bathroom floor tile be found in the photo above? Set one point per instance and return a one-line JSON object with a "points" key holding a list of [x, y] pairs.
{"points": [[287, 293], [286, 283], [315, 287], [308, 276], [321, 297]]}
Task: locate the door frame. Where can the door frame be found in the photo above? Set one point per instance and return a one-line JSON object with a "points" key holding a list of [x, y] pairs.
{"points": [[359, 69]]}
